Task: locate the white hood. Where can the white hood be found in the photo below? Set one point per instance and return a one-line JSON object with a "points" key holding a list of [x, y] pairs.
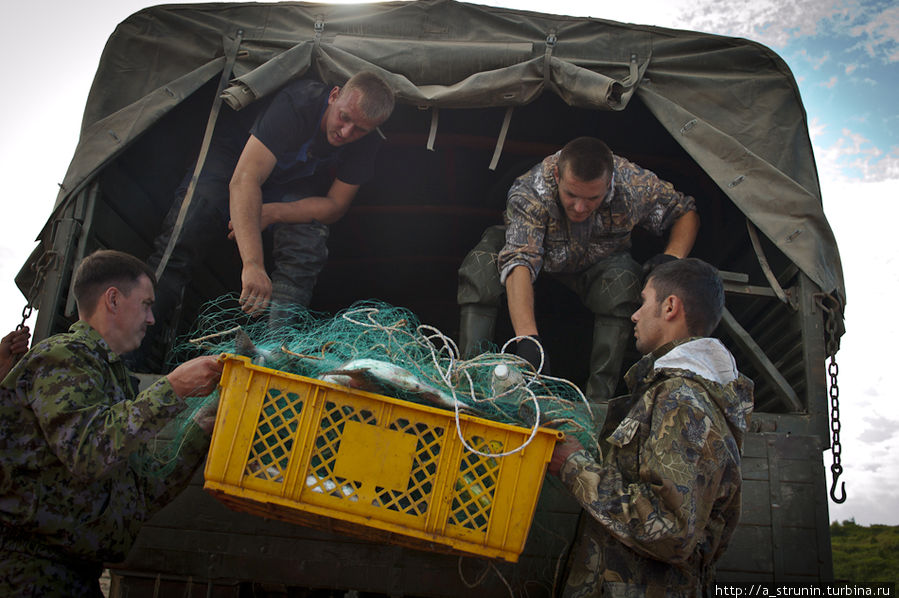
{"points": [[707, 357]]}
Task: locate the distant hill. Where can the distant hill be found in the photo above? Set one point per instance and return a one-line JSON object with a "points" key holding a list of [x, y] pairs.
{"points": [[865, 554]]}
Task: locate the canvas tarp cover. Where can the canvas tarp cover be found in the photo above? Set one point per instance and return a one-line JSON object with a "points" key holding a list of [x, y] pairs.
{"points": [[732, 104]]}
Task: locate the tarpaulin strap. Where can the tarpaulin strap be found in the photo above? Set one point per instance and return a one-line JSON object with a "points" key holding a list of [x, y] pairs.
{"points": [[435, 117], [230, 58], [632, 77], [319, 29], [547, 55], [763, 262], [502, 138]]}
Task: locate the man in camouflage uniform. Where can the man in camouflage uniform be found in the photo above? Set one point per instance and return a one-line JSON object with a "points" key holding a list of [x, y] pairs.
{"points": [[664, 500], [571, 216], [70, 418]]}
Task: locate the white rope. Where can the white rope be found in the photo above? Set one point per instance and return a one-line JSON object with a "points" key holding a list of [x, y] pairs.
{"points": [[441, 346]]}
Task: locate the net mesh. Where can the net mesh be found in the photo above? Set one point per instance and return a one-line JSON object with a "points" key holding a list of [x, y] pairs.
{"points": [[381, 348]]}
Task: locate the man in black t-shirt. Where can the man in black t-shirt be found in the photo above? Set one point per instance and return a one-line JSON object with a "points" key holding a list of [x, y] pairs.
{"points": [[265, 168]]}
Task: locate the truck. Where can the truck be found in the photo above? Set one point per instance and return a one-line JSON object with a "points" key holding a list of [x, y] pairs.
{"points": [[483, 94]]}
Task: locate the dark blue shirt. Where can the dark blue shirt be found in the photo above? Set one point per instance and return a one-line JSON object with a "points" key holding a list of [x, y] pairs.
{"points": [[289, 125]]}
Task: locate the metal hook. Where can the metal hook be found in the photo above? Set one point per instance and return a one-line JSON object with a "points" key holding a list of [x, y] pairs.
{"points": [[837, 470]]}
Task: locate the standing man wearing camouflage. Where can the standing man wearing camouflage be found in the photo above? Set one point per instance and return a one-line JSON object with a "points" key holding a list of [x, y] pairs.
{"points": [[665, 499], [70, 418], [571, 217]]}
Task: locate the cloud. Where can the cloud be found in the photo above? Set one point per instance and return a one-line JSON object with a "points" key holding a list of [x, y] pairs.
{"points": [[871, 490], [853, 156], [771, 22], [830, 83], [816, 128], [879, 33], [879, 429], [777, 23], [872, 484], [816, 62]]}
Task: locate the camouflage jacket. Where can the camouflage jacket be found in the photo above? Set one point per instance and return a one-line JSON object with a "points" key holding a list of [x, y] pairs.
{"points": [[539, 236], [70, 418], [666, 498]]}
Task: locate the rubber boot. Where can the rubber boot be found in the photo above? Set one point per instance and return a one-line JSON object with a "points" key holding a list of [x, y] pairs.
{"points": [[477, 325], [610, 336]]}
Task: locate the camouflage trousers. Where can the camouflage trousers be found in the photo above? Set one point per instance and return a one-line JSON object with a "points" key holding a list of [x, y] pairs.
{"points": [[24, 575]]}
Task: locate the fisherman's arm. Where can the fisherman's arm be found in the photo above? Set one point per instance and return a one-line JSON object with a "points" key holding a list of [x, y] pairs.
{"points": [[521, 258], [661, 207], [519, 262], [91, 422], [253, 169], [520, 296], [683, 235], [326, 209], [197, 377]]}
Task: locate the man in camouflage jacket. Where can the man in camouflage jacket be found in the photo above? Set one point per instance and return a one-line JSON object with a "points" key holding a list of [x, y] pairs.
{"points": [[572, 216], [665, 498], [70, 418]]}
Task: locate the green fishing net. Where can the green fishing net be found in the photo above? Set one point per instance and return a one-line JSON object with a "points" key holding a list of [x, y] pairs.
{"points": [[385, 349]]}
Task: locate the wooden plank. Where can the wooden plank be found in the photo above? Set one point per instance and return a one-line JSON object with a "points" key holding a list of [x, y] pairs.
{"points": [[801, 562], [747, 289], [755, 468], [198, 536], [754, 446], [788, 424], [748, 552], [741, 277], [307, 563], [137, 584], [797, 507], [53, 293], [811, 323], [756, 509], [755, 354]]}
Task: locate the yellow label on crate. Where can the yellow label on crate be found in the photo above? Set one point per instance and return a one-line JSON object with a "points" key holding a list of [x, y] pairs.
{"points": [[374, 455]]}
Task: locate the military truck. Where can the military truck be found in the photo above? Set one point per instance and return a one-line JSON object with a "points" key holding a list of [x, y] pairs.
{"points": [[484, 93]]}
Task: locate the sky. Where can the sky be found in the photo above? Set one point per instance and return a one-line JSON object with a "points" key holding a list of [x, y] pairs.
{"points": [[844, 55]]}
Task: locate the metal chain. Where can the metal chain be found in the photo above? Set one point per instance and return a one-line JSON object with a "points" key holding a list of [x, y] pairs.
{"points": [[830, 306], [836, 469], [40, 268]]}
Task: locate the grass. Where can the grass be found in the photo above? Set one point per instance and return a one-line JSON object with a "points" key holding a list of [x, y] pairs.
{"points": [[865, 554]]}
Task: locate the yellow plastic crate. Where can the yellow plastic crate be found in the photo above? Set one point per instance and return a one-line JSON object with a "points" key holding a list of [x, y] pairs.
{"points": [[305, 451]]}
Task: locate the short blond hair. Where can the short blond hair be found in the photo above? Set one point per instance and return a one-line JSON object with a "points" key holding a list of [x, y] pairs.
{"points": [[377, 99]]}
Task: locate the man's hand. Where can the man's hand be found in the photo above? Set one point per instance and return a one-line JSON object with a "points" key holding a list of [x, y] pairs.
{"points": [[13, 346], [561, 453], [256, 289], [197, 377], [528, 348]]}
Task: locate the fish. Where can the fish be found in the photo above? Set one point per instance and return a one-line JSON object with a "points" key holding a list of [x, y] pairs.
{"points": [[243, 345], [322, 486], [379, 376]]}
